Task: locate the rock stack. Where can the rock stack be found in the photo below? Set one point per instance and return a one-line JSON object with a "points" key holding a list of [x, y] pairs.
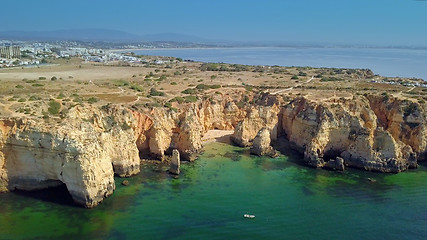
{"points": [[175, 163], [261, 144]]}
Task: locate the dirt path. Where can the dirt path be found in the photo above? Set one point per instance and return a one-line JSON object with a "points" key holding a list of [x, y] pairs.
{"points": [[288, 89]]}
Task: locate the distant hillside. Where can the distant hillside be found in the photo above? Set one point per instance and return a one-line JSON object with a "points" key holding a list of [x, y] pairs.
{"points": [[96, 35]]}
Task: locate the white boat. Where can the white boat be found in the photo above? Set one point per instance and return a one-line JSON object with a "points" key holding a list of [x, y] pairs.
{"points": [[248, 216]]}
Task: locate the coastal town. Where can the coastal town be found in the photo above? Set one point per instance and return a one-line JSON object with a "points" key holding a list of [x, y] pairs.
{"points": [[23, 54]]}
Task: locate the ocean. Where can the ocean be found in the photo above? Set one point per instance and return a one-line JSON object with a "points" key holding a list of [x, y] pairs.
{"points": [[389, 62], [210, 197]]}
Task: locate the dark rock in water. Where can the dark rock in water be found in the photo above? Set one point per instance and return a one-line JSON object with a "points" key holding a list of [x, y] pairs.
{"points": [[335, 164], [125, 183], [175, 163]]}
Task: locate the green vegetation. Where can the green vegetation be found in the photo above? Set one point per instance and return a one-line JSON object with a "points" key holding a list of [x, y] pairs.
{"points": [[53, 78], [121, 83], [92, 100], [60, 96], [177, 99], [189, 91], [386, 97], [173, 83], [154, 92], [190, 99], [294, 77], [410, 109], [223, 67], [137, 88], [54, 107], [28, 81], [19, 86], [331, 79], [34, 98], [42, 78]]}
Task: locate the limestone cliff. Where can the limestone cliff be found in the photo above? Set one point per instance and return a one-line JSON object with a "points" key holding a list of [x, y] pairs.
{"points": [[183, 130], [262, 144], [82, 151], [367, 133], [257, 118], [85, 148]]}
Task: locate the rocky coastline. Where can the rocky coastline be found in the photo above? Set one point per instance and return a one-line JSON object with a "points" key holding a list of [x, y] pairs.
{"points": [[88, 146]]}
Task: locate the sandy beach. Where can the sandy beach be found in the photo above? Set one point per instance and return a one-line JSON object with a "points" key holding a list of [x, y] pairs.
{"points": [[217, 136]]}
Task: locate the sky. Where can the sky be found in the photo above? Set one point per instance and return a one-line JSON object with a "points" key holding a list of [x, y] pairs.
{"points": [[370, 22]]}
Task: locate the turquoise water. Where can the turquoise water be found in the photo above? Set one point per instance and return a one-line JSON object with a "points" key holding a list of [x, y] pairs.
{"points": [[384, 61], [209, 198]]}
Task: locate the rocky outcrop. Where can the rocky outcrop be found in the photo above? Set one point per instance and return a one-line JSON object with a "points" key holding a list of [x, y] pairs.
{"points": [[358, 130], [82, 151], [335, 164], [261, 144], [175, 163], [89, 145], [184, 130], [257, 118]]}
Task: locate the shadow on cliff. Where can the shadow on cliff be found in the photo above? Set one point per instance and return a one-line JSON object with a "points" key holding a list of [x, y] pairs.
{"points": [[57, 195], [286, 148]]}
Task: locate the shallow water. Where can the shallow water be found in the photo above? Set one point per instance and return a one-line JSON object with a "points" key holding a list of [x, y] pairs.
{"points": [[209, 198], [388, 62]]}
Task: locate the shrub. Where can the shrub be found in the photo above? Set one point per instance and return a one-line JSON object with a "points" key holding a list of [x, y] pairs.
{"points": [[34, 98], [42, 78], [331, 79], [177, 99], [53, 78], [189, 91], [154, 92], [411, 108], [19, 86], [60, 96], [386, 97], [137, 88], [54, 107], [22, 100], [173, 83], [190, 99], [294, 77], [92, 100], [121, 83], [202, 87]]}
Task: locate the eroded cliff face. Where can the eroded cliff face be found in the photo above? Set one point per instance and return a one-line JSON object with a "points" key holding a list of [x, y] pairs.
{"points": [[257, 117], [368, 133], [184, 130], [82, 151], [86, 148]]}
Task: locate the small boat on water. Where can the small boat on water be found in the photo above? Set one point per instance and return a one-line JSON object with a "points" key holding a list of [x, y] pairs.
{"points": [[371, 180], [248, 216]]}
